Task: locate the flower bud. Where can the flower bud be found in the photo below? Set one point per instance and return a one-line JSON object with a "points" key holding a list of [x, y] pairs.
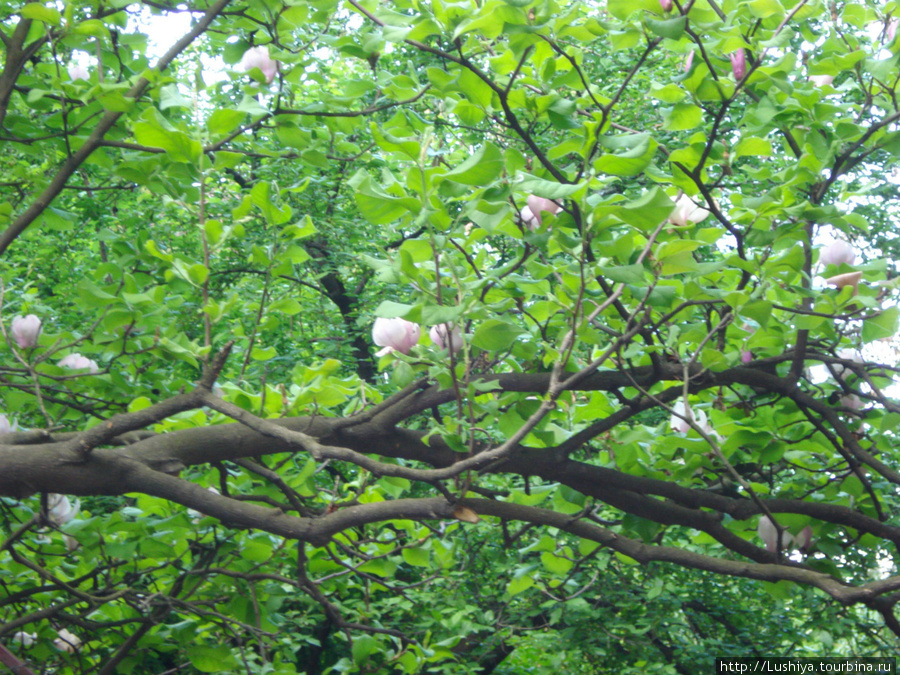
{"points": [[446, 336], [25, 639], [689, 61], [769, 534], [821, 80], [395, 335], [258, 57], [77, 72], [837, 252], [686, 211], [666, 5], [76, 361], [67, 642], [746, 356], [531, 214], [738, 64], [25, 331], [60, 510]]}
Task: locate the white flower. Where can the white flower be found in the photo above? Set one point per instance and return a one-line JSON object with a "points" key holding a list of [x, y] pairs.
{"points": [[77, 72], [769, 534], [60, 510], [443, 335], [258, 57], [837, 252], [821, 80], [5, 426], [25, 330], [852, 355], [66, 642], [851, 401], [686, 211], [25, 639], [76, 361], [395, 335]]}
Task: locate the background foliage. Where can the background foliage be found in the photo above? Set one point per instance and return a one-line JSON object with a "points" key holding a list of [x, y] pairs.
{"points": [[540, 500]]}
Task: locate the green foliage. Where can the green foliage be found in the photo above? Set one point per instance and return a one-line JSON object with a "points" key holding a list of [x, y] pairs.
{"points": [[641, 380]]}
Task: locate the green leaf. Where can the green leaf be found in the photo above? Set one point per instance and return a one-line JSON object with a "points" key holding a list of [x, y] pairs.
{"points": [[882, 325], [37, 12], [494, 335], [668, 28], [480, 169], [211, 659], [416, 557]]}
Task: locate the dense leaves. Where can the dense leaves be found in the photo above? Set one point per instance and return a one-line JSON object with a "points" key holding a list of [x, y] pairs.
{"points": [[632, 265]]}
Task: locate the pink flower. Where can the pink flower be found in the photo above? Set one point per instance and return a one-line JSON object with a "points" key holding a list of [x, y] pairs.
{"points": [[395, 335], [847, 279], [686, 211], [25, 330], [851, 401], [444, 334], [77, 72], [258, 57], [769, 534], [531, 214], [804, 539], [837, 252], [666, 5], [738, 64], [821, 80], [891, 31], [61, 510], [746, 356], [76, 361], [689, 61]]}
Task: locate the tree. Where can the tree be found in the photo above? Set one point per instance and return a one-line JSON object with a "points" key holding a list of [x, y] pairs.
{"points": [[632, 264]]}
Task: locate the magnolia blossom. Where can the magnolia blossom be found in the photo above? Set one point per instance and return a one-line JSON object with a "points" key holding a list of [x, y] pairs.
{"points": [[769, 534], [681, 425], [821, 80], [258, 57], [446, 336], [395, 335], [837, 252], [25, 639], [804, 539], [891, 31], [67, 642], [76, 361], [746, 356], [531, 213], [689, 61], [851, 401], [25, 330], [60, 510], [738, 64], [5, 426], [666, 5], [847, 279], [77, 72], [686, 211]]}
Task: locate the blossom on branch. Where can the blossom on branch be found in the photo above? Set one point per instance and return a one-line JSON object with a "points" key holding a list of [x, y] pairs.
{"points": [[76, 361], [686, 211], [446, 336], [25, 331], [395, 335], [837, 252], [531, 213], [738, 64], [258, 57]]}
